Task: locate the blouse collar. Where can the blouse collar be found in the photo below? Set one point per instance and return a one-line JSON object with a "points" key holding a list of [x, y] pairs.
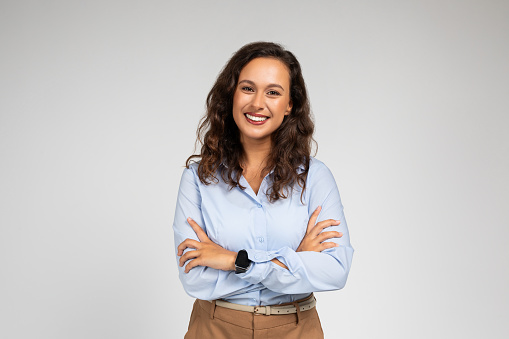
{"points": [[301, 167]]}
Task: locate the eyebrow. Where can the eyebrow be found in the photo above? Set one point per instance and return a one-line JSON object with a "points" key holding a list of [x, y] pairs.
{"points": [[270, 85]]}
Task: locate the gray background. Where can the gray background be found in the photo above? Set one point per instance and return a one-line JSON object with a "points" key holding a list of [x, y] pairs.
{"points": [[99, 105]]}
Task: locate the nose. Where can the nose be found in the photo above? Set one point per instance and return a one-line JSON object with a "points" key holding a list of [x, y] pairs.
{"points": [[258, 100]]}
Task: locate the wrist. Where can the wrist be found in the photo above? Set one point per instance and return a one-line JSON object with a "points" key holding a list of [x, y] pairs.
{"points": [[231, 261], [242, 262]]}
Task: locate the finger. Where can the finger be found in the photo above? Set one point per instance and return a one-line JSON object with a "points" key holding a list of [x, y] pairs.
{"points": [[322, 225], [328, 235], [198, 230], [327, 245], [187, 256], [193, 263], [312, 219], [188, 243]]}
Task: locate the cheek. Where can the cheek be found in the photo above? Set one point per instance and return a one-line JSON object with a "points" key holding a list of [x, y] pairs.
{"points": [[239, 101], [235, 102], [237, 107], [279, 107]]}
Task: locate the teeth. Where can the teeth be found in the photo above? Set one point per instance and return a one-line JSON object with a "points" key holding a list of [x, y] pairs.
{"points": [[249, 116]]}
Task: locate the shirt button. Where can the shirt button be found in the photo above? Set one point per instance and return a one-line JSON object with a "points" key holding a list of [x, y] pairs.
{"points": [[260, 239], [259, 206]]}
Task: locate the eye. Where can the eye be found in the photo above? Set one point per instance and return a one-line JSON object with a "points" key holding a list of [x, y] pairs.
{"points": [[273, 93], [247, 89]]}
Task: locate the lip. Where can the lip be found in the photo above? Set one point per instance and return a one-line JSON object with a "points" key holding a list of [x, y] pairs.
{"points": [[256, 115], [255, 122]]}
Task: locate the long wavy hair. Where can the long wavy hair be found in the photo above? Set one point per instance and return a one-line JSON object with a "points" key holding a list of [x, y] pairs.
{"points": [[220, 138]]}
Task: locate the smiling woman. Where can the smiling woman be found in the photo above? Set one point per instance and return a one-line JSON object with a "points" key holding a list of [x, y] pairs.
{"points": [[261, 99], [259, 224]]}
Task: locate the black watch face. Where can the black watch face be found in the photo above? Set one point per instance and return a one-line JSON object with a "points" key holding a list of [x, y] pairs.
{"points": [[242, 260]]}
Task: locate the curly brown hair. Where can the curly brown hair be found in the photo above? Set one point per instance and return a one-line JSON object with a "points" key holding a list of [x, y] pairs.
{"points": [[219, 135]]}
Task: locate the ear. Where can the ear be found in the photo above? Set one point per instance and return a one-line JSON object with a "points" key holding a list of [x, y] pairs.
{"points": [[289, 108]]}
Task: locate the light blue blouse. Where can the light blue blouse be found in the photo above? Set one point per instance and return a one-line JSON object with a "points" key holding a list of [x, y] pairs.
{"points": [[240, 219]]}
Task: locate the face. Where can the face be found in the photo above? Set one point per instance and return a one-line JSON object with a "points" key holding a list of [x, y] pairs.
{"points": [[261, 99]]}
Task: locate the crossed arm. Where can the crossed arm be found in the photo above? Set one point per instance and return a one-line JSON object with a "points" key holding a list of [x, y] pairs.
{"points": [[207, 253], [320, 263]]}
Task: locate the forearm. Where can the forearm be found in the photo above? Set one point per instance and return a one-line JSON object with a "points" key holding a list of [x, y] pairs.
{"points": [[306, 271], [208, 284]]}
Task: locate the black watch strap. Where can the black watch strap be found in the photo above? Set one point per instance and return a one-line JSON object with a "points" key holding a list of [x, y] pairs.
{"points": [[242, 262]]}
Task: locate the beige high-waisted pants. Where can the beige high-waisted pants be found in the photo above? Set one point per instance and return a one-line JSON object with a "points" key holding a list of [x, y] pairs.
{"points": [[209, 321]]}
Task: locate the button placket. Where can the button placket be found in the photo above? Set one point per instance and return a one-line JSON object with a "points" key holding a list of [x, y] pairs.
{"points": [[260, 226]]}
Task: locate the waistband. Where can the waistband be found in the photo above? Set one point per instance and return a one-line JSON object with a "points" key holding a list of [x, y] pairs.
{"points": [[303, 305]]}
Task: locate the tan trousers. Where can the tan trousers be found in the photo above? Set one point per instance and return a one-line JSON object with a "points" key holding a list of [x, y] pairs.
{"points": [[209, 321]]}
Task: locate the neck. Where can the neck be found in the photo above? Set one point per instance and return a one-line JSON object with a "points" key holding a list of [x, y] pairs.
{"points": [[256, 153]]}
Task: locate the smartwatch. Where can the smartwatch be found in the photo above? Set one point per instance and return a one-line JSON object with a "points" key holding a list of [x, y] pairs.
{"points": [[242, 262]]}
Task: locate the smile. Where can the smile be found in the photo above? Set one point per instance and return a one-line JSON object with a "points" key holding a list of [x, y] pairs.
{"points": [[255, 120]]}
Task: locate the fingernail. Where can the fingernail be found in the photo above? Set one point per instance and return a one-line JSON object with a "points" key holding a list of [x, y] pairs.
{"points": [[340, 234]]}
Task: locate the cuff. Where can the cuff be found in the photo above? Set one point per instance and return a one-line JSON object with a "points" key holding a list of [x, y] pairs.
{"points": [[262, 266]]}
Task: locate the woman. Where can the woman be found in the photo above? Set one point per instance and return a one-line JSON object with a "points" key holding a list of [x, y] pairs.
{"points": [[259, 221]]}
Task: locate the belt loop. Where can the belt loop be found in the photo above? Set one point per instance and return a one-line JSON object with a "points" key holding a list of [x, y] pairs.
{"points": [[267, 310], [298, 312], [213, 309]]}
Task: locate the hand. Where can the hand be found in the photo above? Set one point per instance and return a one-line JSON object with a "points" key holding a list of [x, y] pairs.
{"points": [[314, 240], [206, 253]]}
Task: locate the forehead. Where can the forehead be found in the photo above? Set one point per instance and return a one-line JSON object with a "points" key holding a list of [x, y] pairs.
{"points": [[266, 70]]}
